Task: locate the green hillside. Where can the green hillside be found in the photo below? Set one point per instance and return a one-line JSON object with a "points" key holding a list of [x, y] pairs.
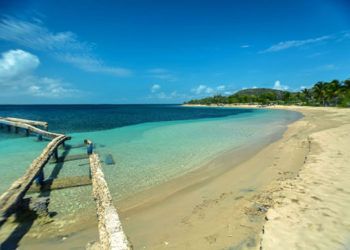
{"points": [[260, 91], [334, 93]]}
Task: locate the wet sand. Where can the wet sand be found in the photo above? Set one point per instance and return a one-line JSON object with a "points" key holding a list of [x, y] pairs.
{"points": [[211, 209]]}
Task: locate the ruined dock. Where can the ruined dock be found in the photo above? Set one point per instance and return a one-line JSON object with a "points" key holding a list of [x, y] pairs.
{"points": [[111, 234]]}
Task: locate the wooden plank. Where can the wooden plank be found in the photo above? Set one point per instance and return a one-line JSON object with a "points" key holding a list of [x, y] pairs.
{"points": [[61, 183], [111, 233], [30, 122], [10, 200], [30, 128], [69, 158]]}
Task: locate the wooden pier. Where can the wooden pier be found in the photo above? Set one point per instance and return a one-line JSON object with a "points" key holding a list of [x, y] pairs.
{"points": [[111, 233], [9, 122], [30, 122], [12, 198]]}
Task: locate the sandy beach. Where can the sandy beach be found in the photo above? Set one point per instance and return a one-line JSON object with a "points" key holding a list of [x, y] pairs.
{"points": [[307, 204], [312, 210], [292, 192], [300, 181]]}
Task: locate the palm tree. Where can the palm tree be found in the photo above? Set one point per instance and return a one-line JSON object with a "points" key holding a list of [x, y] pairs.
{"points": [[286, 97], [347, 84], [335, 91], [319, 91], [307, 94]]}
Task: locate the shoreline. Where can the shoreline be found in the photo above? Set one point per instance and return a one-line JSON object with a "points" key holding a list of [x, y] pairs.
{"points": [[311, 211], [225, 211], [158, 195], [314, 203]]}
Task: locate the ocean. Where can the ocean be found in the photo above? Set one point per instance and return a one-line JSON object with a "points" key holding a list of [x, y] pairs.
{"points": [[149, 144]]}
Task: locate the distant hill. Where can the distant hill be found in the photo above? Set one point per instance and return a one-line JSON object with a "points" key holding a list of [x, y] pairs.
{"points": [[260, 91], [334, 93]]}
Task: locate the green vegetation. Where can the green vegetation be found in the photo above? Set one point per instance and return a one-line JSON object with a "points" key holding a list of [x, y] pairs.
{"points": [[334, 93]]}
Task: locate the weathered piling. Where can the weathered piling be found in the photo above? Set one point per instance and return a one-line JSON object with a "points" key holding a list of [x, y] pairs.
{"points": [[11, 199], [111, 233]]}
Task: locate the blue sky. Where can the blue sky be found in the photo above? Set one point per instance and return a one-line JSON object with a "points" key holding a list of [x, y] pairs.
{"points": [[167, 51]]}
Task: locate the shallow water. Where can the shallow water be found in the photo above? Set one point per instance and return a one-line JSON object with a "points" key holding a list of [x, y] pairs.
{"points": [[16, 154], [146, 153]]}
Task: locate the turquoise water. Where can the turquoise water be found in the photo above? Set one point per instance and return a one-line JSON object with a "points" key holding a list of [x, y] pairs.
{"points": [[16, 154], [146, 154]]}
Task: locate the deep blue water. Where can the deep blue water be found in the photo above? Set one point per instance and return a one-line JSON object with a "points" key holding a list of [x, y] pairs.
{"points": [[83, 118]]}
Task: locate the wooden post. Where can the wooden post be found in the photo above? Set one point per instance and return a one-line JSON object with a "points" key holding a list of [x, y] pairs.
{"points": [[55, 154], [16, 130], [90, 146], [90, 175], [27, 132], [63, 146], [9, 128], [40, 137], [39, 180]]}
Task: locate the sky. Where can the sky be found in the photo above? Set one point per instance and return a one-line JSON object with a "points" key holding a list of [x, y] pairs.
{"points": [[133, 51]]}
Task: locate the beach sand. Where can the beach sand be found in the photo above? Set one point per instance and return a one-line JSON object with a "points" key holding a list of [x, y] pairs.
{"points": [[298, 182], [312, 210], [229, 210]]}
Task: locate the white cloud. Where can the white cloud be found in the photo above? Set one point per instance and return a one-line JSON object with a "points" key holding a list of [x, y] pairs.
{"points": [[296, 43], [162, 74], [17, 77], [279, 86], [64, 46], [36, 36], [155, 88], [245, 46], [16, 63], [91, 64], [202, 89], [50, 88]]}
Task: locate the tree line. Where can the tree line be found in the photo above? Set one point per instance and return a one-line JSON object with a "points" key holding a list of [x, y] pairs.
{"points": [[334, 93]]}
